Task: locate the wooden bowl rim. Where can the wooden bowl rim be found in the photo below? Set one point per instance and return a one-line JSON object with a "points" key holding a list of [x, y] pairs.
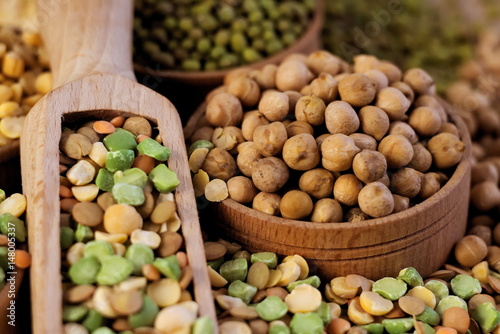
{"points": [[461, 171], [315, 25]]}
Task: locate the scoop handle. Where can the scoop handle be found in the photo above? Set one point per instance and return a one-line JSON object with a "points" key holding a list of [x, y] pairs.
{"points": [[86, 37]]}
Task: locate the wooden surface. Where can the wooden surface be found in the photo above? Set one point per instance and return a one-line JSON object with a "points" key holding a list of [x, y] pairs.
{"points": [[421, 236], [89, 42]]}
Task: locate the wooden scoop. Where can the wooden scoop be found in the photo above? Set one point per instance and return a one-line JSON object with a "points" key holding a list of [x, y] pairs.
{"points": [[91, 58]]}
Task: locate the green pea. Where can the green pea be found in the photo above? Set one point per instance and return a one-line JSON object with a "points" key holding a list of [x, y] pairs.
{"points": [[74, 313], [139, 255], [67, 237], [306, 323], [120, 140], [270, 259], [164, 58], [204, 45], [216, 53], [288, 38], [207, 22], [251, 55], [234, 270], [242, 290], [278, 329], [124, 193], [255, 16], [186, 23], [191, 65], [465, 286], [104, 180], [487, 317], [429, 316], [411, 276], [397, 326], [169, 266], [324, 313], [203, 325], [239, 25], [438, 288], [274, 46], [132, 176], [4, 261], [2, 275], [85, 270], [222, 37], [215, 264], [164, 179], [153, 149], [390, 288], [226, 13], [254, 30], [238, 42], [11, 224], [187, 44], [200, 144], [114, 269], [83, 233], [103, 330], [272, 308], [312, 280], [98, 249], [449, 301], [374, 328], [259, 44], [150, 47], [210, 66], [93, 320], [146, 316], [228, 60], [119, 160], [170, 23], [2, 195]]}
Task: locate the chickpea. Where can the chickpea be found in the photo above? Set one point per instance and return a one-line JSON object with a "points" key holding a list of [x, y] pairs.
{"points": [[323, 61], [432, 102], [357, 90], [310, 109], [265, 77], [385, 180], [346, 189], [425, 121], [393, 102], [267, 203], [325, 87], [274, 105], [320, 139], [420, 81], [298, 127], [252, 120], [246, 90], [215, 91], [397, 150], [401, 203], [203, 133], [241, 189], [376, 200], [374, 121], [227, 138], [355, 215], [296, 204], [293, 98], [405, 89], [369, 166], [489, 120], [317, 182], [449, 128], [338, 151], [235, 74], [392, 72], [224, 109], [378, 79], [300, 152], [246, 160], [269, 139], [403, 129], [219, 164], [363, 63], [340, 117], [407, 182], [446, 150], [292, 74], [484, 171], [270, 174], [327, 210], [364, 141], [431, 183], [422, 158]]}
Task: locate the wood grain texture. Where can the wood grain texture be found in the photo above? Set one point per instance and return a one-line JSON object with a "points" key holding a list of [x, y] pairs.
{"points": [[421, 236], [89, 86]]}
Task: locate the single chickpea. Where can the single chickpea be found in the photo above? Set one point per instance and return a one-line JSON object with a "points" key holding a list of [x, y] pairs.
{"points": [[317, 182], [374, 121], [203, 133], [401, 203], [323, 61], [397, 150], [235, 74], [269, 139], [310, 109], [241, 189], [446, 150], [265, 77], [246, 160], [425, 121], [293, 98], [420, 81], [407, 182], [321, 138], [252, 120], [274, 105], [393, 102], [357, 90], [422, 158], [488, 119], [228, 138], [378, 79], [300, 152], [450, 128], [376, 200], [296, 204], [267, 203], [392, 72], [405, 89], [246, 90], [364, 141], [325, 87], [215, 91], [346, 189], [405, 130], [432, 102], [363, 63], [338, 151], [369, 166], [224, 109], [219, 164], [270, 174], [431, 183], [327, 210], [298, 127], [354, 215], [385, 180], [292, 74], [340, 117]]}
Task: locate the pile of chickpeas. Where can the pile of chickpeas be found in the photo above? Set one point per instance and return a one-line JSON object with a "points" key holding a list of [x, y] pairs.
{"points": [[318, 139]]}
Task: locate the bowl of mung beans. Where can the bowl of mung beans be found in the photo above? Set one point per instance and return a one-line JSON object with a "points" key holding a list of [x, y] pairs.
{"points": [[357, 168]]}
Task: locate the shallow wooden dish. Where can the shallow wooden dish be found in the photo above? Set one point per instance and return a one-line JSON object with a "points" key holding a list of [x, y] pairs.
{"points": [[421, 237]]}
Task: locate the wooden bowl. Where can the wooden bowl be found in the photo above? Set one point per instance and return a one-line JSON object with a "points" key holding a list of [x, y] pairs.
{"points": [[421, 237]]}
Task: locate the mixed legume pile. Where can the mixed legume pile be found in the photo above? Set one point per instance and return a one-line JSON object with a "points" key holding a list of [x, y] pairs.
{"points": [[209, 35], [316, 138], [24, 79], [123, 262]]}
